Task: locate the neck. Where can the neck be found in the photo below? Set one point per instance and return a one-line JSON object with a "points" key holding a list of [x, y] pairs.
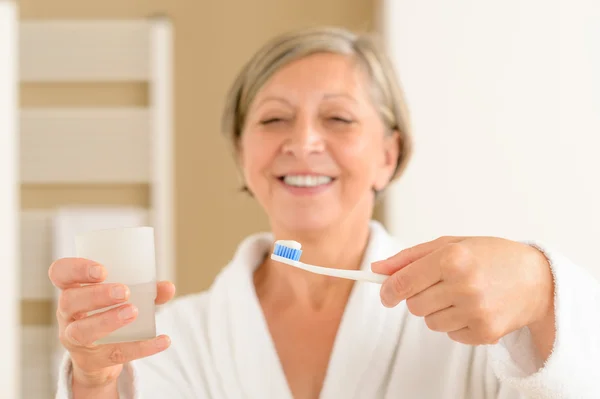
{"points": [[341, 246]]}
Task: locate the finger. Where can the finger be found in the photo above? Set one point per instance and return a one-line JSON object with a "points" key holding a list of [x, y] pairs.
{"points": [[411, 280], [69, 272], [446, 320], [431, 300], [165, 291], [111, 355], [469, 336], [77, 300], [409, 255], [86, 331]]}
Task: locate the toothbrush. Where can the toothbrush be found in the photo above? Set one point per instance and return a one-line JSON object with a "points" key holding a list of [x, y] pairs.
{"points": [[289, 252]]}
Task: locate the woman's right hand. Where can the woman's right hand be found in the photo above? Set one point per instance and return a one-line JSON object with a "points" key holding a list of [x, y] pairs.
{"points": [[97, 366]]}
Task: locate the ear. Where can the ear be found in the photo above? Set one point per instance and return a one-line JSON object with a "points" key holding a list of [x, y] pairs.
{"points": [[238, 157], [391, 145], [238, 152]]}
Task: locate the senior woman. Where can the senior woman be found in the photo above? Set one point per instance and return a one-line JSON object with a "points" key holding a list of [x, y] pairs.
{"points": [[319, 127]]}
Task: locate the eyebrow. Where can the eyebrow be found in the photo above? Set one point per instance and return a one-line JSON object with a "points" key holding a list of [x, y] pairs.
{"points": [[273, 98], [325, 97], [345, 95]]}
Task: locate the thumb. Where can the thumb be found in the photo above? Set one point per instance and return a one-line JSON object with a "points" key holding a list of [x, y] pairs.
{"points": [[409, 255], [165, 291]]}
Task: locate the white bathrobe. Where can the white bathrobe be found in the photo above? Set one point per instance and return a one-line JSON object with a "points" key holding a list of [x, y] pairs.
{"points": [[221, 347]]}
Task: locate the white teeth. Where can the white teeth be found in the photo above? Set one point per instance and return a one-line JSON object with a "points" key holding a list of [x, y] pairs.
{"points": [[306, 181]]}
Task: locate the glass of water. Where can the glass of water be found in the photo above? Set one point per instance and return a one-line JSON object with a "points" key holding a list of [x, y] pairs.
{"points": [[128, 254]]}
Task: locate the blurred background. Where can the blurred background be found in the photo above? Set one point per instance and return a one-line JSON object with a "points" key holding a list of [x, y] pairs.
{"points": [[110, 116]]}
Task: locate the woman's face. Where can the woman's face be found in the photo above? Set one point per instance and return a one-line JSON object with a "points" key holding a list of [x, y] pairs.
{"points": [[314, 146]]}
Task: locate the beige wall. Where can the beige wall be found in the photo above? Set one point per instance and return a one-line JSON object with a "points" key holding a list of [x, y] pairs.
{"points": [[212, 39]]}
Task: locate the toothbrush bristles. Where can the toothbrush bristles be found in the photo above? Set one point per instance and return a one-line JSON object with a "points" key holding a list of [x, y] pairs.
{"points": [[287, 252]]}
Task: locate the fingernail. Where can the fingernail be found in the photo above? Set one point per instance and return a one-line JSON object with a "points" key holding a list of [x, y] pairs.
{"points": [[127, 313], [118, 292], [96, 272], [163, 342], [387, 296]]}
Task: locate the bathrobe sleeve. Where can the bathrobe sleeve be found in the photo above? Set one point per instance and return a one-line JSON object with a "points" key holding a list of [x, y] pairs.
{"points": [[165, 375], [160, 380], [572, 370]]}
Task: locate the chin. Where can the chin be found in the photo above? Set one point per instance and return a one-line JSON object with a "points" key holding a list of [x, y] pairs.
{"points": [[303, 223]]}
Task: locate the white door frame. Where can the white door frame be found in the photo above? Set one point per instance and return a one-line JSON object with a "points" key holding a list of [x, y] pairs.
{"points": [[9, 203]]}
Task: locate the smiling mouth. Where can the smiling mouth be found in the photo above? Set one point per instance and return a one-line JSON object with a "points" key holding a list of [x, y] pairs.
{"points": [[306, 180]]}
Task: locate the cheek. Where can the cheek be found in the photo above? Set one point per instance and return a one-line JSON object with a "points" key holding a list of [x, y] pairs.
{"points": [[358, 157], [255, 156]]}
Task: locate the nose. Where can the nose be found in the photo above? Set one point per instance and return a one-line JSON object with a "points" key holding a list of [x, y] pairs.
{"points": [[304, 139]]}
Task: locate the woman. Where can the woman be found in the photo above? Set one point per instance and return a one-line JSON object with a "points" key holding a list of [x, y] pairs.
{"points": [[319, 128]]}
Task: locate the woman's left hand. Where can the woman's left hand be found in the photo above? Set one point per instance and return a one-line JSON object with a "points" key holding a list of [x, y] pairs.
{"points": [[475, 289]]}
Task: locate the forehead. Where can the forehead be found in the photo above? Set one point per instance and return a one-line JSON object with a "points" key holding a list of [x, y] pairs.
{"points": [[317, 75]]}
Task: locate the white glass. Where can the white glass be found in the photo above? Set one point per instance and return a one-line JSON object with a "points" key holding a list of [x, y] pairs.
{"points": [[128, 255]]}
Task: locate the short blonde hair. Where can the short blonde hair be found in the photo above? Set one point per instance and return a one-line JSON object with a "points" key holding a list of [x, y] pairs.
{"points": [[293, 45]]}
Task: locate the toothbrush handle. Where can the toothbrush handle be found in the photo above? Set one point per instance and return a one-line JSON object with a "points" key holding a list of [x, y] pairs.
{"points": [[361, 275], [358, 275]]}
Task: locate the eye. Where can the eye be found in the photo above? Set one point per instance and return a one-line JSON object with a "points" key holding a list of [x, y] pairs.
{"points": [[270, 121], [338, 119]]}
